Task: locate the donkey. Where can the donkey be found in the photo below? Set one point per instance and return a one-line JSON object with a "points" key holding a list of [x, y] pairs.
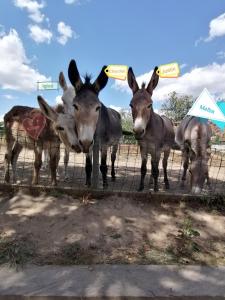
{"points": [[67, 101], [94, 121], [154, 133], [193, 136], [58, 127]]}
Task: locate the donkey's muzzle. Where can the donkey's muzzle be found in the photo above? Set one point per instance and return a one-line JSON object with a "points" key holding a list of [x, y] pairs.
{"points": [[85, 145], [138, 133], [76, 148]]}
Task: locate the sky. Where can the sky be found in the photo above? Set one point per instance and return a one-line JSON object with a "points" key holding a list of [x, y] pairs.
{"points": [[39, 38]]}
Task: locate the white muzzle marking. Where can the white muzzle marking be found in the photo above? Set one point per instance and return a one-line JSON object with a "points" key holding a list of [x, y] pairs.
{"points": [[139, 124]]}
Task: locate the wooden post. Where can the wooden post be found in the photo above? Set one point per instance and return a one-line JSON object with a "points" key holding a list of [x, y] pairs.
{"points": [[95, 171]]}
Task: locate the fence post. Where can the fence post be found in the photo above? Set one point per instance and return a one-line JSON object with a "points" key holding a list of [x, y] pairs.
{"points": [[95, 172]]}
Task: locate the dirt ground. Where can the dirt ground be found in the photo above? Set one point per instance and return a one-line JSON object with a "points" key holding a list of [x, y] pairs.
{"points": [[127, 165], [65, 230]]}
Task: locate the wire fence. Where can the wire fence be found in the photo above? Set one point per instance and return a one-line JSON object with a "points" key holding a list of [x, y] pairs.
{"points": [[127, 166]]}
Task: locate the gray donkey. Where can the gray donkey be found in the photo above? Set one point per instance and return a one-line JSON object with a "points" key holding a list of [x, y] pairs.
{"points": [[93, 119], [193, 136], [155, 134]]}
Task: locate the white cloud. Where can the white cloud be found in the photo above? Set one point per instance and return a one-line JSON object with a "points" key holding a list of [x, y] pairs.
{"points": [[182, 66], [58, 99], [72, 1], [191, 83], [2, 30], [216, 27], [16, 73], [221, 54], [40, 35], [117, 108], [9, 97], [65, 32], [33, 8]]}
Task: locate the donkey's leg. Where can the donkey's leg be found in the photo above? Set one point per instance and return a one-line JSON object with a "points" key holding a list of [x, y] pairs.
{"points": [[46, 159], [164, 164], [185, 167], [7, 160], [66, 160], [144, 159], [103, 166], [37, 163], [155, 168], [54, 155], [88, 169], [15, 154], [113, 158]]}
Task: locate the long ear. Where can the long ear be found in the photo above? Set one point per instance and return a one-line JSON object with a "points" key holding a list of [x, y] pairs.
{"points": [[101, 80], [132, 81], [74, 75], [153, 82], [46, 109], [62, 81]]}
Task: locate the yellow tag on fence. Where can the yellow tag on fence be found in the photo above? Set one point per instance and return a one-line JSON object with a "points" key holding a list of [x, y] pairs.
{"points": [[117, 71], [169, 70]]}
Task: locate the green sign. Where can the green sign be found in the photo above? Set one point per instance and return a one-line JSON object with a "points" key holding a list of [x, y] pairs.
{"points": [[48, 85]]}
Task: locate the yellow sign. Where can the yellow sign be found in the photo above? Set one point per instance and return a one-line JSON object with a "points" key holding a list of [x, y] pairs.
{"points": [[117, 71], [169, 70]]}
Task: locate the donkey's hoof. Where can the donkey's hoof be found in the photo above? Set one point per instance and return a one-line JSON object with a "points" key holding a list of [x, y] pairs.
{"points": [[105, 185], [113, 178], [140, 189], [167, 185], [156, 188]]}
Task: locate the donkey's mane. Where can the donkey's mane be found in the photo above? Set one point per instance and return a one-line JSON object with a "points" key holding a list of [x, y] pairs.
{"points": [[143, 85]]}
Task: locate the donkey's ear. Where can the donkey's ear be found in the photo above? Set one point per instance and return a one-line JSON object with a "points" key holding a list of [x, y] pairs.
{"points": [[74, 75], [62, 81], [46, 109], [153, 82], [132, 81], [101, 81]]}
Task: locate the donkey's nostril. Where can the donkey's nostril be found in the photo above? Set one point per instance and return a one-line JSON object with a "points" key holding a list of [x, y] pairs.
{"points": [[80, 143]]}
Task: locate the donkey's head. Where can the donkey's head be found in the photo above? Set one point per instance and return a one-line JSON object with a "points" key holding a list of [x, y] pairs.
{"points": [[63, 125], [141, 103], [68, 94], [86, 104]]}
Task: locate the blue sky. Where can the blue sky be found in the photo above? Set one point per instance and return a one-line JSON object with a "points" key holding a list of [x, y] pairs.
{"points": [[38, 39]]}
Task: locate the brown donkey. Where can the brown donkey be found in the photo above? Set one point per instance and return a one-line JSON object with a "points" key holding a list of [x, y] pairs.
{"points": [[155, 134], [58, 126], [94, 120]]}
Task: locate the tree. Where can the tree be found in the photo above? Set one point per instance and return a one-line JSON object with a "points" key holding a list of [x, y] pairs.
{"points": [[177, 106], [127, 120]]}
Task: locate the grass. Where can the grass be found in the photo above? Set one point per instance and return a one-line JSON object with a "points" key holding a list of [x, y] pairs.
{"points": [[16, 252]]}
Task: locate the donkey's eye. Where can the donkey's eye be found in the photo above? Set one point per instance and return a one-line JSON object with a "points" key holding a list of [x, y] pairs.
{"points": [[97, 108], [150, 105], [75, 106], [131, 105], [59, 128]]}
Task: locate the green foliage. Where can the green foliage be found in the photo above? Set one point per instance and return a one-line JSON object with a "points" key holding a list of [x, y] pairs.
{"points": [[177, 106], [127, 125]]}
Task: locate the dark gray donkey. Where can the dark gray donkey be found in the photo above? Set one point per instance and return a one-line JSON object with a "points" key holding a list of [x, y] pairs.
{"points": [[155, 134], [94, 120], [193, 136]]}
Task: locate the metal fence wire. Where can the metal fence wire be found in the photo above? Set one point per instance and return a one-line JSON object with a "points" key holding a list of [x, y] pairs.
{"points": [[127, 166]]}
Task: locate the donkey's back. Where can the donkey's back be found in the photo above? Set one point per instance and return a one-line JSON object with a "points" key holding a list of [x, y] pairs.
{"points": [[188, 131], [110, 126], [15, 131]]}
